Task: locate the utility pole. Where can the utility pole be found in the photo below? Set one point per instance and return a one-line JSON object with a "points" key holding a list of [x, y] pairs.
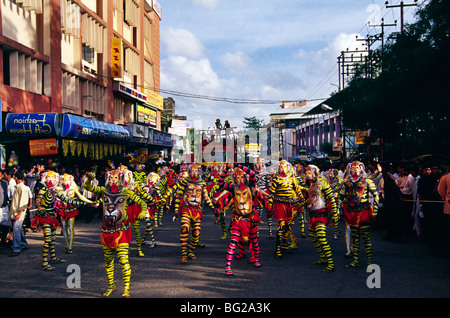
{"points": [[371, 39], [346, 61], [382, 25], [401, 6]]}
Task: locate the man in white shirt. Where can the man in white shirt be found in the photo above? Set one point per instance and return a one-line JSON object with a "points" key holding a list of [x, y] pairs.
{"points": [[407, 205], [408, 185], [9, 177], [416, 214], [20, 202]]}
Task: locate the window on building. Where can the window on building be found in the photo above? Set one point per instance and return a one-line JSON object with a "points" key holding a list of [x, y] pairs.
{"points": [[6, 68], [88, 53], [23, 71]]}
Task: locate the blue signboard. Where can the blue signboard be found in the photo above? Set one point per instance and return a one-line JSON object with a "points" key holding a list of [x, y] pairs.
{"points": [[89, 129], [159, 138], [32, 124]]}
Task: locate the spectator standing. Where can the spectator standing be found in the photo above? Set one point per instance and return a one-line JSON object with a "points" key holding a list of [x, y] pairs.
{"points": [[31, 178], [444, 192], [9, 174], [407, 203], [430, 201], [20, 202], [4, 204], [392, 197], [416, 214]]}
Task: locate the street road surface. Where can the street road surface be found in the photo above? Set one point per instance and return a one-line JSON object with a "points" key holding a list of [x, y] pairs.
{"points": [[405, 270]]}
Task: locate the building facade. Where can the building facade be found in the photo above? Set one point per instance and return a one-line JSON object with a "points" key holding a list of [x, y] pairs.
{"points": [[303, 128], [319, 129], [90, 67]]}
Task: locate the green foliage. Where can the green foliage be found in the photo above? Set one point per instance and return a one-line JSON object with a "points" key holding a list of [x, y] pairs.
{"points": [[408, 100], [253, 122]]}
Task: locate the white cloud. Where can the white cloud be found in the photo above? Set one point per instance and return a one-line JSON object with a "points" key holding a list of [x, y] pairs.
{"points": [[236, 63], [206, 3], [277, 50], [190, 76], [327, 56], [320, 66], [181, 42], [186, 68]]}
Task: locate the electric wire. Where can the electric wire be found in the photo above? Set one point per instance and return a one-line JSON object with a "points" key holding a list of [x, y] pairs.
{"points": [[231, 100]]}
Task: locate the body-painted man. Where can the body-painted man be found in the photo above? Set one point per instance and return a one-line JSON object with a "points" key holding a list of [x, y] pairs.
{"points": [[151, 195], [116, 233], [47, 216], [263, 183], [323, 212], [188, 205], [163, 189], [357, 210], [245, 217], [300, 211], [67, 212], [219, 198], [134, 210], [285, 196], [335, 184], [139, 174]]}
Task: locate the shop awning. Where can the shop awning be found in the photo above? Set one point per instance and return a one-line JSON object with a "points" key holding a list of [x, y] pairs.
{"points": [[89, 129], [32, 124]]}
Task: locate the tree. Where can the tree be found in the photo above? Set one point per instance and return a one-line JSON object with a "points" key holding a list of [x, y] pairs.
{"points": [[406, 102], [253, 122]]}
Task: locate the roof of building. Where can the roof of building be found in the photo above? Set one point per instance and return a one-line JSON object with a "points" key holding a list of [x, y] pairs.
{"points": [[291, 112]]}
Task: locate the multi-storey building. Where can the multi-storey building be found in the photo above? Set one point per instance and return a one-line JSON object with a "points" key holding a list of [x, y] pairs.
{"points": [[303, 128], [80, 78], [321, 127]]}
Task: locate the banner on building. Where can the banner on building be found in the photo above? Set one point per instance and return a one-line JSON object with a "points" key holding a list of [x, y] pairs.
{"points": [[181, 123], [142, 155], [337, 144], [43, 147], [116, 57], [154, 99], [76, 127], [145, 115], [361, 136], [32, 124]]}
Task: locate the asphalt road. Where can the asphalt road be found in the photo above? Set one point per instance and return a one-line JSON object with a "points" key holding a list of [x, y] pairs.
{"points": [[406, 270]]}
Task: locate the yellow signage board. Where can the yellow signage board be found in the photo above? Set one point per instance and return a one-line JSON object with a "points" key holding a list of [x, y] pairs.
{"points": [[145, 115], [154, 99], [361, 136], [116, 57]]}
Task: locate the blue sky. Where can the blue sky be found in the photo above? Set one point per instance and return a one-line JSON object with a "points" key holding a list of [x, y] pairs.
{"points": [[260, 50]]}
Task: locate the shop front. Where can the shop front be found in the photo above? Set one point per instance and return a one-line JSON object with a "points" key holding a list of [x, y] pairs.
{"points": [[88, 139], [54, 138], [30, 138], [137, 146], [160, 146]]}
